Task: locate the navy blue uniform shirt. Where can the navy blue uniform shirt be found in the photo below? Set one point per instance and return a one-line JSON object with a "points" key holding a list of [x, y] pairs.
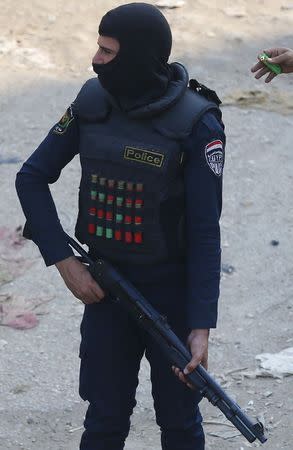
{"points": [[203, 209]]}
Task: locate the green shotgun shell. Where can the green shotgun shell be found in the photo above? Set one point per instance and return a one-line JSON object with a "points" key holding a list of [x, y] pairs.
{"points": [[119, 218], [109, 233], [119, 201], [99, 231], [129, 186], [276, 68], [121, 185], [93, 195], [102, 197]]}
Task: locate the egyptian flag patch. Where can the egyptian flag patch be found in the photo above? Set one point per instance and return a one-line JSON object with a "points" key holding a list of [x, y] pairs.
{"points": [[64, 122], [214, 153]]}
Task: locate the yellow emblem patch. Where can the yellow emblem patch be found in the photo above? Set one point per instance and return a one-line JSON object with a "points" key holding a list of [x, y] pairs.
{"points": [[144, 156], [64, 122]]}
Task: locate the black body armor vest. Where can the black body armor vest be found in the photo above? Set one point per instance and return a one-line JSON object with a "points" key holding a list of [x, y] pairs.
{"points": [[131, 199]]}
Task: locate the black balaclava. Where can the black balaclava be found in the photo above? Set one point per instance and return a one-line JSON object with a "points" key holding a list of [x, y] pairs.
{"points": [[140, 72]]}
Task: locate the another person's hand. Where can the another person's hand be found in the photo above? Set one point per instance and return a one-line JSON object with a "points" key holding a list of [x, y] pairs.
{"points": [[79, 281], [281, 56], [198, 344]]}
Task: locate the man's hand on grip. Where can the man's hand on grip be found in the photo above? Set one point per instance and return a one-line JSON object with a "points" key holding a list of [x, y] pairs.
{"points": [[79, 281], [198, 344]]}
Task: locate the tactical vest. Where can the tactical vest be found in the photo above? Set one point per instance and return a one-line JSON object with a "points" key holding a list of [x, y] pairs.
{"points": [[131, 199]]}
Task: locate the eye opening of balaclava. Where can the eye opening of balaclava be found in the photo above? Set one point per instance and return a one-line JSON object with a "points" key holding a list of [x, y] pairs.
{"points": [[140, 72]]}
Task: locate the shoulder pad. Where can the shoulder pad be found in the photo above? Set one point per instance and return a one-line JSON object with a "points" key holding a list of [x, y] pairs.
{"points": [[91, 104], [178, 122], [205, 91]]}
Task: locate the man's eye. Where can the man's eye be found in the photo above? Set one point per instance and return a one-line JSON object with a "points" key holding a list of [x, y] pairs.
{"points": [[105, 50]]}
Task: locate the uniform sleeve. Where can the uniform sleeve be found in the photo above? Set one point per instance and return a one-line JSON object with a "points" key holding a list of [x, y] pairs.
{"points": [[42, 168], [203, 187]]}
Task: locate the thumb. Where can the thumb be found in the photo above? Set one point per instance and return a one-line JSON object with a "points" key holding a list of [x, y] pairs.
{"points": [[278, 59]]}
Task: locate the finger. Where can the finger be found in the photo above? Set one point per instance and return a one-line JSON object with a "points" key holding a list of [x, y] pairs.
{"points": [[96, 293], [261, 72], [194, 362], [95, 287], [270, 77], [85, 299], [187, 382], [270, 52], [89, 296], [182, 378], [275, 52], [179, 374], [256, 67], [177, 371]]}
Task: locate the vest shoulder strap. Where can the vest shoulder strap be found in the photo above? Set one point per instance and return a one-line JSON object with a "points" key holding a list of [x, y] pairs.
{"points": [[91, 104], [178, 121]]}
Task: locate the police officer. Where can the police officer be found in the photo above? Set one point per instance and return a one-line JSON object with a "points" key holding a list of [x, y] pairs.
{"points": [[152, 154]]}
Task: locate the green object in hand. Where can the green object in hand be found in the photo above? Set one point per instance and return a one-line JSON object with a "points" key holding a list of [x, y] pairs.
{"points": [[276, 68]]}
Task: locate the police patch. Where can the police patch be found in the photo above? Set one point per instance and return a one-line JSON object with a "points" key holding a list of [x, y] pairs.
{"points": [[64, 122], [214, 153], [144, 156]]}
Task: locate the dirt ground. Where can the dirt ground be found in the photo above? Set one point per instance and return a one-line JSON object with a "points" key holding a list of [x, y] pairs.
{"points": [[45, 54]]}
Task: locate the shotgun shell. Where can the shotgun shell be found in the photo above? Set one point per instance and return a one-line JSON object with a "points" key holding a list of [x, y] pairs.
{"points": [[91, 228], [128, 237]]}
